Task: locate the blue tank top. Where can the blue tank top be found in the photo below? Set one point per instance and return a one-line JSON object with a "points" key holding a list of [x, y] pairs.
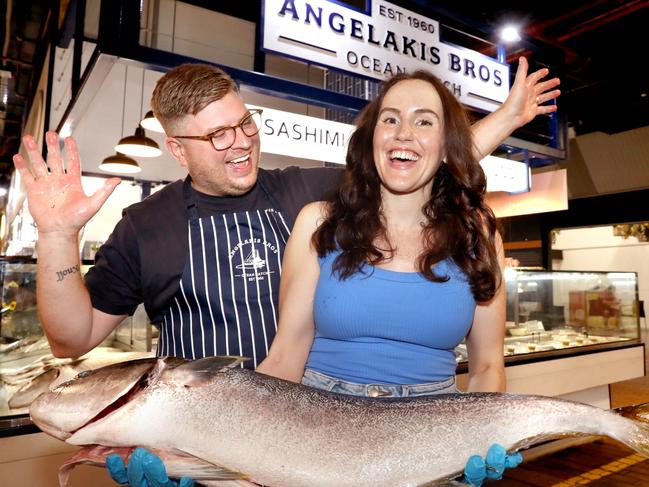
{"points": [[386, 327]]}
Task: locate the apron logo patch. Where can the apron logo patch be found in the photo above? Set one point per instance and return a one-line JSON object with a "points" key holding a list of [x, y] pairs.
{"points": [[254, 266], [253, 261]]}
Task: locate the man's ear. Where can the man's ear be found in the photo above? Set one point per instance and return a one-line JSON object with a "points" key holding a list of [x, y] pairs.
{"points": [[177, 150]]}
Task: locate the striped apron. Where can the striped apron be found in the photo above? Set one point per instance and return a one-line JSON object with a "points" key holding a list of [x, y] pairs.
{"points": [[226, 303]]}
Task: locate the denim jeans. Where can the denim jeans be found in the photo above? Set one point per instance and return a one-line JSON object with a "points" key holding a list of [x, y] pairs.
{"points": [[319, 380]]}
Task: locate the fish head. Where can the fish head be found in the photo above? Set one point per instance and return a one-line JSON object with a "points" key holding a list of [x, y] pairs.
{"points": [[24, 396], [75, 409], [89, 396]]}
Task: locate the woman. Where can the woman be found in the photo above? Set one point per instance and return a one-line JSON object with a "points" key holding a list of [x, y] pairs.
{"points": [[380, 284]]}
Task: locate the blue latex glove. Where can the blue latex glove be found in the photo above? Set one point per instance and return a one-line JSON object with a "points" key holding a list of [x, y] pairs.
{"points": [[144, 470], [492, 467]]}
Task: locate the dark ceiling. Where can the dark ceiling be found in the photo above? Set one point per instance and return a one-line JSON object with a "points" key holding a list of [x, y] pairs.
{"points": [[594, 46], [22, 55]]}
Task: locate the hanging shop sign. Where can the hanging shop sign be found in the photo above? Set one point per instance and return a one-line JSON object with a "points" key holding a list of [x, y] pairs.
{"points": [[506, 175], [290, 134], [378, 43]]}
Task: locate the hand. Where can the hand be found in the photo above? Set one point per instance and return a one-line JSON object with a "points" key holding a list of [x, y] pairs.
{"points": [[528, 94], [492, 467], [56, 199], [144, 470]]}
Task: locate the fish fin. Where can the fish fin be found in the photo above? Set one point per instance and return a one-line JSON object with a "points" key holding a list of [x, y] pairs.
{"points": [[201, 470], [90, 455], [182, 464], [197, 372], [177, 464]]}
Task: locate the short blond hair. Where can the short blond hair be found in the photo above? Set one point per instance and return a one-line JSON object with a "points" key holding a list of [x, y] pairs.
{"points": [[186, 90]]}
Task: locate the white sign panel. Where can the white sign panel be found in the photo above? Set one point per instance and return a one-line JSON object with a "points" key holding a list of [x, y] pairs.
{"points": [[289, 134], [506, 175], [381, 42]]}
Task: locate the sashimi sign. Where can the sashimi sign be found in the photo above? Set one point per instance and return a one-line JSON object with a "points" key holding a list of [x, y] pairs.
{"points": [[295, 135], [302, 136], [384, 40]]}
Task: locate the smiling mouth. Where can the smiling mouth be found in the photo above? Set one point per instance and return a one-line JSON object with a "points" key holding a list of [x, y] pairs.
{"points": [[239, 160], [403, 156]]}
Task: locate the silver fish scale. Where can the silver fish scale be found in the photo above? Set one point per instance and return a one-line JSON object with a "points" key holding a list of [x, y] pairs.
{"points": [[288, 435]]}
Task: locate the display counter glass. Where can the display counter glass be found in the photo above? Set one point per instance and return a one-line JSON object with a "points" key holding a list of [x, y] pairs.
{"points": [[26, 361], [563, 312]]}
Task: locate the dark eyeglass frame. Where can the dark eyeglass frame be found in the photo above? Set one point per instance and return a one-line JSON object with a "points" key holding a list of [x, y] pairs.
{"points": [[209, 137]]}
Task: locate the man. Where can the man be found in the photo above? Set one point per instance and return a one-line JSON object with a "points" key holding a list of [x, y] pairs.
{"points": [[204, 254]]}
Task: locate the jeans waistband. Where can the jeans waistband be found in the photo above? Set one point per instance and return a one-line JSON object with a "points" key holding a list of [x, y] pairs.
{"points": [[319, 380]]}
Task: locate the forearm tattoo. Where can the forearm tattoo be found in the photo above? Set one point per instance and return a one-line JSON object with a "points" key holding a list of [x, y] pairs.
{"points": [[66, 272]]}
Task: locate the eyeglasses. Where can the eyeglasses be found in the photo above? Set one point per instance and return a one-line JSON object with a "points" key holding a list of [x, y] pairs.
{"points": [[223, 138]]}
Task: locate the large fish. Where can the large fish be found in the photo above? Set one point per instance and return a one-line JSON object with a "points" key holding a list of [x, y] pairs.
{"points": [[224, 424]]}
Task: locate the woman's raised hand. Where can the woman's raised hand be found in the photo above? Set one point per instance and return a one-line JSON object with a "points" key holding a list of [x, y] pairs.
{"points": [[56, 199], [529, 94]]}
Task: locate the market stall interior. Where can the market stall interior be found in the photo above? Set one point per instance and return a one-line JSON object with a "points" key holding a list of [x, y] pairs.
{"points": [[573, 329]]}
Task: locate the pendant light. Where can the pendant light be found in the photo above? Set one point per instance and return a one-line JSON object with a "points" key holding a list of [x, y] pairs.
{"points": [[119, 163], [138, 144], [149, 122]]}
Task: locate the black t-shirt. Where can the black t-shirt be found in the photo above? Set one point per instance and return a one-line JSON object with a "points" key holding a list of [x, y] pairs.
{"points": [[144, 257]]}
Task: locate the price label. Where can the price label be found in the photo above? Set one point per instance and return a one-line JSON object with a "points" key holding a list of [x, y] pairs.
{"points": [[534, 326]]}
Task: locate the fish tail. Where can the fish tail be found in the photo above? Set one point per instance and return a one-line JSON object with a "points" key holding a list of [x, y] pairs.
{"points": [[637, 413], [639, 441]]}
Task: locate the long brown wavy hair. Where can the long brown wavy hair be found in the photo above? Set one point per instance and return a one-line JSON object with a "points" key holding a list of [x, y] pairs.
{"points": [[458, 224]]}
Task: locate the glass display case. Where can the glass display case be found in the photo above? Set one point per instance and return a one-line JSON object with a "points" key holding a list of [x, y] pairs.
{"points": [[25, 355], [20, 331], [560, 312]]}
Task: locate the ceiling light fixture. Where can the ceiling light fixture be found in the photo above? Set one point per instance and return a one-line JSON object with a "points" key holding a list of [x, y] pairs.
{"points": [[138, 144], [119, 163], [149, 122], [510, 33]]}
